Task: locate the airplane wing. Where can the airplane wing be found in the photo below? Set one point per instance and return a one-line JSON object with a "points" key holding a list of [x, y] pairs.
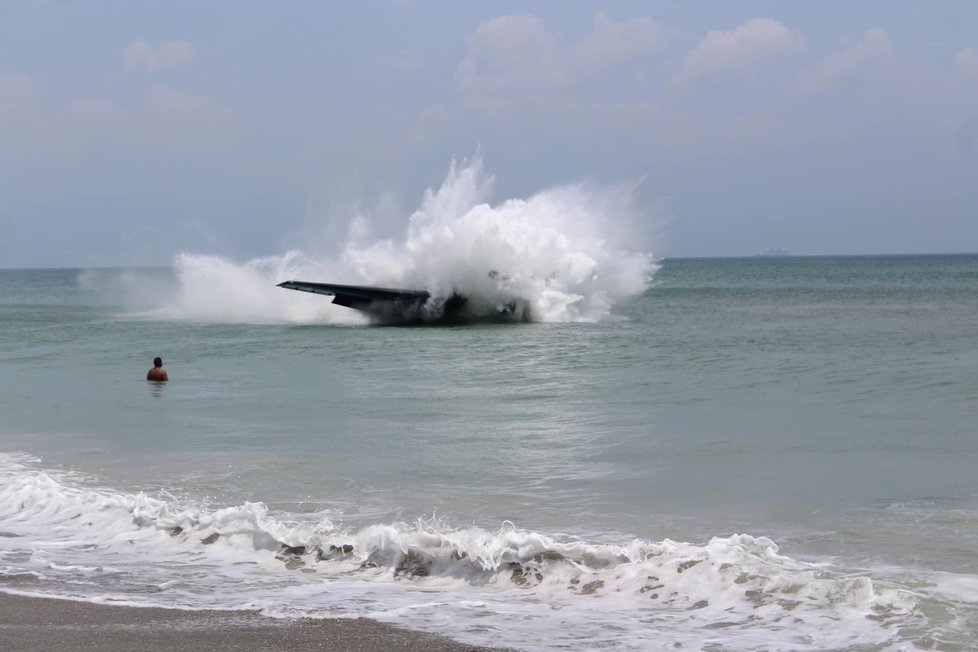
{"points": [[358, 296]]}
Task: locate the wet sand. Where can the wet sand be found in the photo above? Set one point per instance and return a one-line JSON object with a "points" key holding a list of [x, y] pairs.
{"points": [[47, 624]]}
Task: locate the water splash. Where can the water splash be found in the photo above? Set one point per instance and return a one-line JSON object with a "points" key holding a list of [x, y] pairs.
{"points": [[563, 252]]}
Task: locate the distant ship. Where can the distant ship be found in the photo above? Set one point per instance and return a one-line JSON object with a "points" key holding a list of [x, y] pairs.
{"points": [[773, 251]]}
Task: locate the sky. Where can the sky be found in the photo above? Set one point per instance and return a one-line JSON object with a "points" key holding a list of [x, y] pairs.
{"points": [[133, 131]]}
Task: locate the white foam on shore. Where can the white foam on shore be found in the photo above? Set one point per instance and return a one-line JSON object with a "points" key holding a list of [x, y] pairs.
{"points": [[503, 587]]}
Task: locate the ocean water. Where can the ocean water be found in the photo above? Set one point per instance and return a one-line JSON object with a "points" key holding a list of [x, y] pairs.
{"points": [[722, 454], [757, 453]]}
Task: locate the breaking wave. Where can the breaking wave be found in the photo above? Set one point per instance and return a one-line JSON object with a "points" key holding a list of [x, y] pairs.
{"points": [[508, 586], [566, 254]]}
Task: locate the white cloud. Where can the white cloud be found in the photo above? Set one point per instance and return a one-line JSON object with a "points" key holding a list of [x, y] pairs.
{"points": [[98, 108], [874, 45], [510, 53], [967, 61], [143, 56], [18, 89], [757, 41], [611, 41], [171, 101]]}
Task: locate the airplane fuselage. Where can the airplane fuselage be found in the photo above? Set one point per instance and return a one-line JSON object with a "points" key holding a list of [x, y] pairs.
{"points": [[390, 305]]}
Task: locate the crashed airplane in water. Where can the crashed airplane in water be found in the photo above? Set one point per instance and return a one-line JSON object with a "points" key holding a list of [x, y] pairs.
{"points": [[414, 306]]}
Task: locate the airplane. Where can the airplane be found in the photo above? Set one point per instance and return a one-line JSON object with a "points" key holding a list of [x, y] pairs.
{"points": [[406, 306]]}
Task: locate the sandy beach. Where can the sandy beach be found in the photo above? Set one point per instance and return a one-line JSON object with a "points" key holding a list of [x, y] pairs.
{"points": [[48, 624]]}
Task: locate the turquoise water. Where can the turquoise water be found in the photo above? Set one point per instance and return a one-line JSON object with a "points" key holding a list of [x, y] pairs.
{"points": [[800, 430]]}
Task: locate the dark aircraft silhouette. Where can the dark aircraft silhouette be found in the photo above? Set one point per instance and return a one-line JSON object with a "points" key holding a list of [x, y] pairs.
{"points": [[406, 306]]}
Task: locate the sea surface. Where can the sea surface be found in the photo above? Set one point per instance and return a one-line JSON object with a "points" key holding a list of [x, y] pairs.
{"points": [[769, 453]]}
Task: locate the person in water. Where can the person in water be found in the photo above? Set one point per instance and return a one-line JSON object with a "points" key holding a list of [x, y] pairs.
{"points": [[157, 372]]}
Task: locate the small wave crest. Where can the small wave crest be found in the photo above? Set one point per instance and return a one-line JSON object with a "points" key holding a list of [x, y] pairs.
{"points": [[62, 537], [566, 254]]}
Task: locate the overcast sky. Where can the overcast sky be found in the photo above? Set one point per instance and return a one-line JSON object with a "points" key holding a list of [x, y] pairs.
{"points": [[132, 131]]}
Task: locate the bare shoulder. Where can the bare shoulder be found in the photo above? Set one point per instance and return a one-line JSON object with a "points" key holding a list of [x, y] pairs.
{"points": [[156, 374]]}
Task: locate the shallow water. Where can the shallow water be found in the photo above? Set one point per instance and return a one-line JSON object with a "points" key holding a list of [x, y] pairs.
{"points": [[807, 425]]}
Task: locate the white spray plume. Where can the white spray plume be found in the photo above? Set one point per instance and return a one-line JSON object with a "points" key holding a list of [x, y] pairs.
{"points": [[563, 251]]}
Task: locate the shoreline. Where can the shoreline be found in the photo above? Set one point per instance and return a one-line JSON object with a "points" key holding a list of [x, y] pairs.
{"points": [[34, 623]]}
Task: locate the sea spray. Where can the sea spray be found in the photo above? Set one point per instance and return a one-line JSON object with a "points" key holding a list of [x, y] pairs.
{"points": [[215, 289], [563, 253]]}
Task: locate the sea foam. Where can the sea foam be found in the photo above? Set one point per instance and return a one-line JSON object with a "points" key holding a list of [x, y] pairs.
{"points": [[566, 253], [508, 586]]}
